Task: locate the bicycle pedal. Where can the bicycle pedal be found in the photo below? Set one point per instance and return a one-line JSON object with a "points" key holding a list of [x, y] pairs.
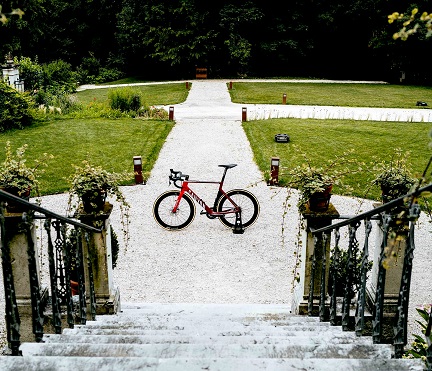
{"points": [[203, 212]]}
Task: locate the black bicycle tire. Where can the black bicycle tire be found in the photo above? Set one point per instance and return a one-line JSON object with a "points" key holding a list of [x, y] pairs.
{"points": [[232, 194], [186, 200]]}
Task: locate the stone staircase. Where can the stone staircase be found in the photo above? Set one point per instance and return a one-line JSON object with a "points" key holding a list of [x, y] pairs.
{"points": [[228, 337]]}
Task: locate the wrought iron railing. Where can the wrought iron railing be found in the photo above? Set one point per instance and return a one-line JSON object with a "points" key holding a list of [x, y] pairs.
{"points": [[390, 215], [60, 266]]}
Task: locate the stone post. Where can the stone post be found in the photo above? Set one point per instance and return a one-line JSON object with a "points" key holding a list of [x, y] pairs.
{"points": [[11, 73], [393, 275], [17, 237], [98, 249], [313, 220]]}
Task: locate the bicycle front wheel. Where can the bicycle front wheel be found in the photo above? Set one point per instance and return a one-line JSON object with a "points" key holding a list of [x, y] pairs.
{"points": [[164, 215], [248, 204]]}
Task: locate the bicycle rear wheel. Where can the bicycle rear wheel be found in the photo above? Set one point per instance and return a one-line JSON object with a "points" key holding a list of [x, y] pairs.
{"points": [[163, 211], [248, 204]]}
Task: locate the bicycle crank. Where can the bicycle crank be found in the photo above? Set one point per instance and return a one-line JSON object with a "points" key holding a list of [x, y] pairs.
{"points": [[208, 215]]}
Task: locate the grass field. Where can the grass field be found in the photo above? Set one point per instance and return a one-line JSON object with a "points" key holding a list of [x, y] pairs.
{"points": [[325, 139], [108, 143], [325, 94], [163, 94]]}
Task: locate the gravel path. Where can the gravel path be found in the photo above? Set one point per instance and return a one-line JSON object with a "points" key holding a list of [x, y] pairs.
{"points": [[207, 263]]}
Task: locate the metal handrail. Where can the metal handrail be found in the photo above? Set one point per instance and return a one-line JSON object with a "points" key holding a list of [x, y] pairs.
{"points": [[369, 214], [46, 212], [387, 214], [59, 260]]}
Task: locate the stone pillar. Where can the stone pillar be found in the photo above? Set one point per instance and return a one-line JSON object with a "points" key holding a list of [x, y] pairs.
{"points": [[18, 245], [11, 73], [313, 220], [98, 249], [393, 275]]}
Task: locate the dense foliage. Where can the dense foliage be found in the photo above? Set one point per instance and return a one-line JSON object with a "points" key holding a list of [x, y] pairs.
{"points": [[16, 109], [168, 39]]}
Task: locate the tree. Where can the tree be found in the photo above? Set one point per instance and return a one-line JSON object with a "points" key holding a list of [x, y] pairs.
{"points": [[173, 34], [4, 16], [412, 23]]}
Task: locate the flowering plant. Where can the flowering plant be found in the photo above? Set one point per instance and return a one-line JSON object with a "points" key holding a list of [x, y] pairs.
{"points": [[420, 345]]}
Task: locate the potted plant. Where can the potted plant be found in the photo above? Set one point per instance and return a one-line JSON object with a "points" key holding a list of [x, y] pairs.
{"points": [[394, 177], [90, 187], [17, 178], [315, 183]]}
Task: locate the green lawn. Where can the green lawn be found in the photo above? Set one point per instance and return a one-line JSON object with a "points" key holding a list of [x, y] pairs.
{"points": [[108, 143], [325, 94], [324, 139], [160, 94]]}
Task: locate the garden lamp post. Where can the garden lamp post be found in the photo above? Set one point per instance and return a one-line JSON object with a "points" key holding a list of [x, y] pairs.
{"points": [[137, 160]]}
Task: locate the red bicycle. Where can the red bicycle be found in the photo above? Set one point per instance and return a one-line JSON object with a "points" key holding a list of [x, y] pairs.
{"points": [[175, 210]]}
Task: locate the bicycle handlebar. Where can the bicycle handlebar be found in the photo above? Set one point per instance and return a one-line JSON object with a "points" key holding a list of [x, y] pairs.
{"points": [[177, 176]]}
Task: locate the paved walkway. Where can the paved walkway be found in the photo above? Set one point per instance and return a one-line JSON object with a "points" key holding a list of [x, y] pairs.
{"points": [[207, 262]]}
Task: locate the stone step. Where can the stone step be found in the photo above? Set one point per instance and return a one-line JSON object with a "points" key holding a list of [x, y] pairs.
{"points": [[208, 364], [191, 324], [266, 320], [301, 338], [173, 308], [208, 331], [357, 351]]}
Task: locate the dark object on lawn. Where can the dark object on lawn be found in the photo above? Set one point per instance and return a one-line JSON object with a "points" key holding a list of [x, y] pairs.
{"points": [[420, 103], [283, 138]]}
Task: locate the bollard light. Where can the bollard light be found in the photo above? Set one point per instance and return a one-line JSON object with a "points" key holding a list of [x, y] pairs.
{"points": [[244, 114], [274, 171], [171, 113], [284, 99], [230, 85], [187, 85], [137, 161]]}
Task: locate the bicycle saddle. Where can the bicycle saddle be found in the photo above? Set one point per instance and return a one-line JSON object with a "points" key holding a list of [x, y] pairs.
{"points": [[230, 166]]}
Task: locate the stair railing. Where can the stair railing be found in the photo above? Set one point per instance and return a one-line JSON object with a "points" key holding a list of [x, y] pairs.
{"points": [[402, 212], [60, 258]]}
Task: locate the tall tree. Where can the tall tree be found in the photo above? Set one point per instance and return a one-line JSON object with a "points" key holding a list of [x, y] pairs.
{"points": [[171, 34]]}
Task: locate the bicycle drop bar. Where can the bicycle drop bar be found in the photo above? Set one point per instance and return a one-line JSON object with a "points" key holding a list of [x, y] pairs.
{"points": [[177, 176]]}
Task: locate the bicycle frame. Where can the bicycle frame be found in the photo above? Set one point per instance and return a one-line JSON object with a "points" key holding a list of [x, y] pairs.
{"points": [[210, 211]]}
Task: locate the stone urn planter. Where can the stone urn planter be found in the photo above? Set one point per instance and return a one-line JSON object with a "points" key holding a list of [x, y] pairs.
{"points": [[320, 201]]}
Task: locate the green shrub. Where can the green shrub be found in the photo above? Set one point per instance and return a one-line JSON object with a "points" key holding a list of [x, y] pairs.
{"points": [[62, 102], [95, 110], [109, 74], [125, 100], [154, 113], [58, 76], [91, 72], [17, 110], [339, 261], [31, 72]]}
